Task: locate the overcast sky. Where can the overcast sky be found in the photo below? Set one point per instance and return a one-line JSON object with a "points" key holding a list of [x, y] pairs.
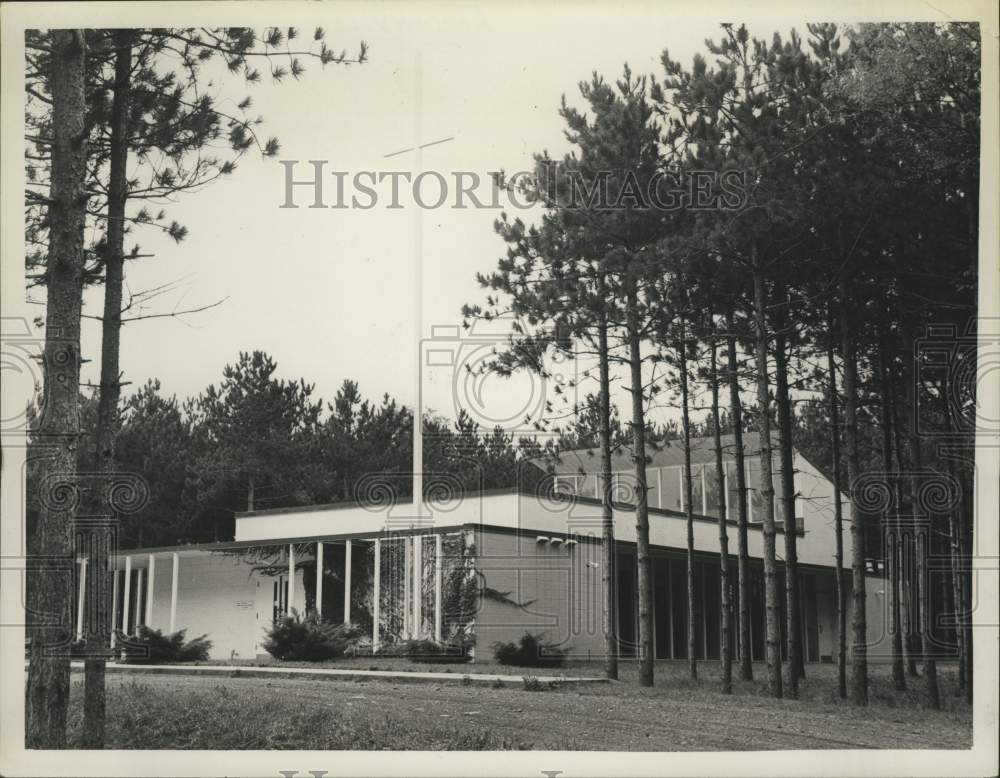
{"points": [[330, 293]]}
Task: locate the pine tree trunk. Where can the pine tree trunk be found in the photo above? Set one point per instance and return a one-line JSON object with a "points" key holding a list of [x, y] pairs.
{"points": [[107, 410], [692, 604], [838, 526], [967, 524], [772, 632], [903, 547], [893, 537], [793, 616], [953, 592], [743, 557], [641, 495], [725, 605], [58, 435], [955, 532], [923, 535], [607, 511], [859, 626]]}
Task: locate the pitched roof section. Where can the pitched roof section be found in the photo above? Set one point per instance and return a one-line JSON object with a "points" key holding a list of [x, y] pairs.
{"points": [[669, 454]]}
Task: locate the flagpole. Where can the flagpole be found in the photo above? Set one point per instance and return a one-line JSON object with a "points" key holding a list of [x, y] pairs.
{"points": [[418, 301]]}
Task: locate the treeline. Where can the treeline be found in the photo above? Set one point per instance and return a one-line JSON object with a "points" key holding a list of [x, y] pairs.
{"points": [[255, 441], [788, 228]]}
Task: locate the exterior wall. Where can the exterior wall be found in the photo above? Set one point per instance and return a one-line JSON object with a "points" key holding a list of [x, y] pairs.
{"points": [[221, 596], [560, 592], [877, 620], [815, 505], [558, 589]]}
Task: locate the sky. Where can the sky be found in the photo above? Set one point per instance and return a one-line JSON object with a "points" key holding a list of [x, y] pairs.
{"points": [[331, 294]]}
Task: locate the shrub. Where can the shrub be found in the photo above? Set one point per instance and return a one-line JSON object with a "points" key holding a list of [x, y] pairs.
{"points": [[530, 651], [151, 646], [309, 639], [430, 652], [532, 684]]}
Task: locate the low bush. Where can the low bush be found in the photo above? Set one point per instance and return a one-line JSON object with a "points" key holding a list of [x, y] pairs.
{"points": [[530, 651], [152, 646], [309, 639], [430, 652], [532, 684]]}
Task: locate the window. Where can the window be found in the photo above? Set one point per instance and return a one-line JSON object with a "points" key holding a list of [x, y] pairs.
{"points": [[670, 478], [713, 490], [697, 504]]}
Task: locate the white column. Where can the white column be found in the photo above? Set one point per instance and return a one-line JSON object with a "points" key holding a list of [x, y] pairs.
{"points": [[597, 487], [407, 585], [114, 607], [704, 493], [291, 579], [173, 591], [659, 487], [725, 488], [347, 582], [680, 484], [319, 579], [438, 561], [127, 599], [81, 598], [149, 590], [138, 600], [376, 594], [418, 570]]}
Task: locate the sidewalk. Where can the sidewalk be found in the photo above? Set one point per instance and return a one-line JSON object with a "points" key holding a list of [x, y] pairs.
{"points": [[343, 675]]}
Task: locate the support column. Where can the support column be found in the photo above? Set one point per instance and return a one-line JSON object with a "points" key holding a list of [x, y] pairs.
{"points": [[114, 609], [81, 598], [127, 599], [291, 579], [438, 561], [659, 487], [149, 590], [704, 493], [725, 490], [319, 580], [407, 581], [418, 600], [347, 582], [138, 601], [377, 594], [173, 592]]}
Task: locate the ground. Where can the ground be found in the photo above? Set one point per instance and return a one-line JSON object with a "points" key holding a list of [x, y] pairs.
{"points": [[174, 712]]}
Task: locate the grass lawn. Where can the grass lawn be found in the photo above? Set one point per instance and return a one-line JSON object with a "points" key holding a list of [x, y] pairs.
{"points": [[189, 712]]}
